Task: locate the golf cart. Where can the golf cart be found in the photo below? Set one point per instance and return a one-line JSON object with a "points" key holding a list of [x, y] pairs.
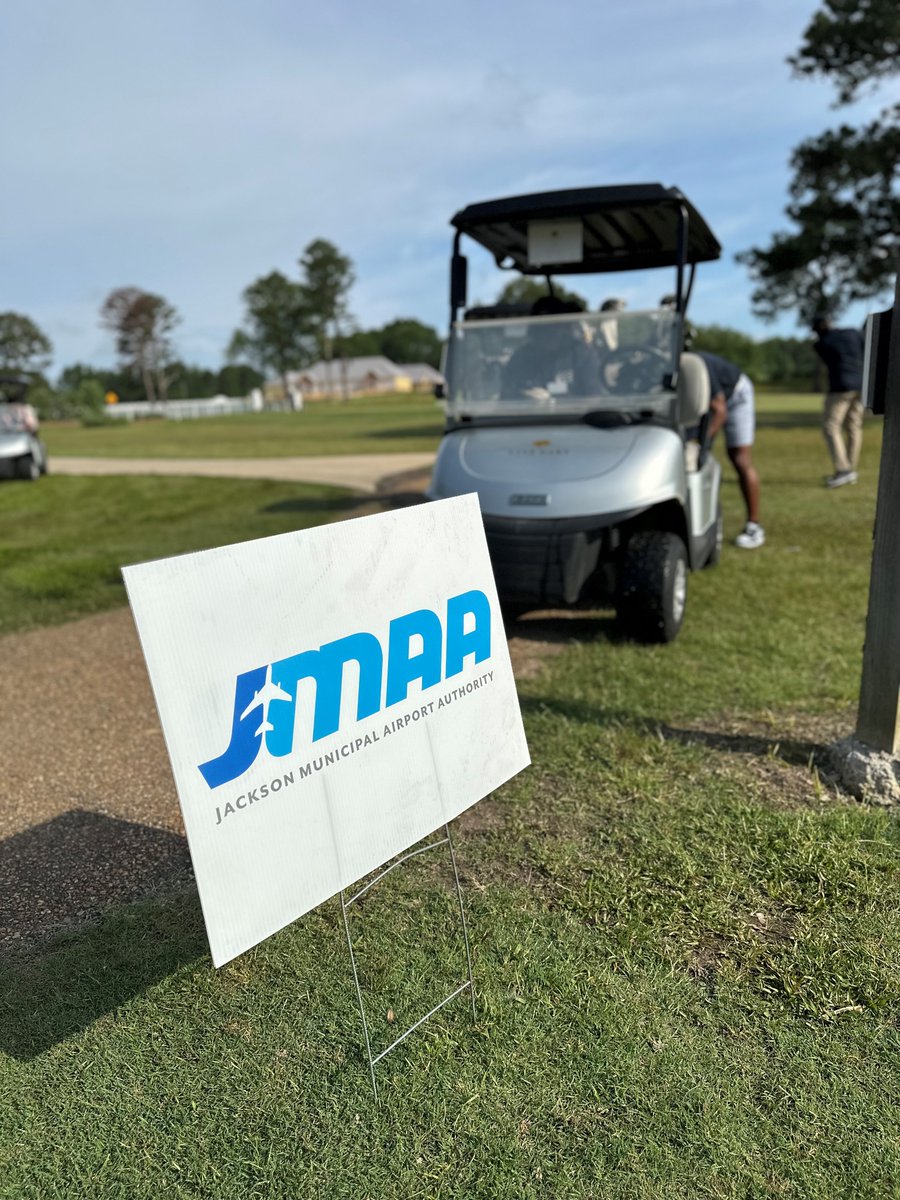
{"points": [[583, 433], [22, 453]]}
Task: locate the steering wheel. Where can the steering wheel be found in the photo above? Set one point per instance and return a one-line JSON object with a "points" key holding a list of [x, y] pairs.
{"points": [[632, 370]]}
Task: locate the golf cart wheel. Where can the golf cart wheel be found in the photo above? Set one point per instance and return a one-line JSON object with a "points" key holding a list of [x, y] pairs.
{"points": [[28, 468], [715, 554], [653, 589]]}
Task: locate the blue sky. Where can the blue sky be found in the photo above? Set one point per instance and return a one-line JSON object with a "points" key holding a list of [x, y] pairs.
{"points": [[190, 146]]}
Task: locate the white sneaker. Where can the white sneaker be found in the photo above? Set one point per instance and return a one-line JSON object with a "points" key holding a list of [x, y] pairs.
{"points": [[751, 537], [839, 479]]}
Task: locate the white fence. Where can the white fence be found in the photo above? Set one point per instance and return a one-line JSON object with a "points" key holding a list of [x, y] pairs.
{"points": [[186, 410]]}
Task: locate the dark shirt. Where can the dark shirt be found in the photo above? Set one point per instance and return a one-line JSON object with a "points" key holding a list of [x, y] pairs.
{"points": [[723, 375], [842, 350]]}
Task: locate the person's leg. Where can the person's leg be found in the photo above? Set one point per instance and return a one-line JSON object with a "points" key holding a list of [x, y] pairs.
{"points": [[836, 406], [748, 479], [740, 428], [853, 424]]}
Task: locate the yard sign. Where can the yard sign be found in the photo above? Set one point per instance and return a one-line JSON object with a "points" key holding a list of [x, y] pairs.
{"points": [[328, 697]]}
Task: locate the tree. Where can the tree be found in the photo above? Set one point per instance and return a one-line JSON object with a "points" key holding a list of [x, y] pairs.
{"points": [[852, 43], [729, 343], [525, 289], [237, 379], [278, 334], [23, 347], [73, 376], [327, 279], [409, 341], [142, 323], [191, 383], [844, 195], [786, 362], [359, 342]]}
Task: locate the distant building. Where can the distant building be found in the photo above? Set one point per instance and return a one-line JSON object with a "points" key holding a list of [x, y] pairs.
{"points": [[422, 375], [358, 376]]}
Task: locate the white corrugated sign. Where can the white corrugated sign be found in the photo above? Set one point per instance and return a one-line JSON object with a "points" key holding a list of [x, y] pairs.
{"points": [[328, 697]]}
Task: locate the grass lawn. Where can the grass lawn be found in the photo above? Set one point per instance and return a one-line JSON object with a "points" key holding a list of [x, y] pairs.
{"points": [[686, 946], [367, 425], [65, 538]]}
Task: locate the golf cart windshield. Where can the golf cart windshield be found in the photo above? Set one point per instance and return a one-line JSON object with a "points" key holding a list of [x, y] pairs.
{"points": [[566, 365]]}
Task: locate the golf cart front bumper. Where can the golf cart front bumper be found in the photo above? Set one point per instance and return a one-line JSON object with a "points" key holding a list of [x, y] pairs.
{"points": [[553, 562]]}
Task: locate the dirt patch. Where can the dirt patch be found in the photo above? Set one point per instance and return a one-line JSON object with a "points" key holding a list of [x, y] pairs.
{"points": [[546, 633], [786, 756], [705, 959], [404, 488]]}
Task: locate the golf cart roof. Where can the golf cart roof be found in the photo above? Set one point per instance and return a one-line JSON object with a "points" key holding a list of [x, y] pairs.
{"points": [[624, 228]]}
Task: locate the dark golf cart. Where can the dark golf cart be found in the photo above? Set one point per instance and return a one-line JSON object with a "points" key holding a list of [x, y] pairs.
{"points": [[22, 453], [582, 433]]}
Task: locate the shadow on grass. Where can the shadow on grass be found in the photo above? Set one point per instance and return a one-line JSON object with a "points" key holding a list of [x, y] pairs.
{"points": [[567, 626], [78, 937], [402, 499], [312, 504], [797, 752]]}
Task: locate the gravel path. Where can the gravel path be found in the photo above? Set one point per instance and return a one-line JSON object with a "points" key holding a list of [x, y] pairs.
{"points": [[89, 816], [360, 472]]}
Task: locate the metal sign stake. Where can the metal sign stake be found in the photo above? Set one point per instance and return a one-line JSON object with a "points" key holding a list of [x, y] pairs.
{"points": [[469, 982]]}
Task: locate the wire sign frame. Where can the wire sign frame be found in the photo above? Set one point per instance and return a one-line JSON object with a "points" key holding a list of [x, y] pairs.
{"points": [[469, 983]]}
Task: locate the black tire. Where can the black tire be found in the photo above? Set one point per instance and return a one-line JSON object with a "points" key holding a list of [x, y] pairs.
{"points": [[27, 467], [715, 555], [653, 588]]}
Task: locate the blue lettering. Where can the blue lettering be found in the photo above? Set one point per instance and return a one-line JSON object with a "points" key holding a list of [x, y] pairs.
{"points": [[326, 667], [477, 641], [265, 699], [404, 667], [246, 734]]}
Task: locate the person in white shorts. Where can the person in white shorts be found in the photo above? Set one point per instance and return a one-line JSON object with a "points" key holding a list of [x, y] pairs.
{"points": [[733, 406]]}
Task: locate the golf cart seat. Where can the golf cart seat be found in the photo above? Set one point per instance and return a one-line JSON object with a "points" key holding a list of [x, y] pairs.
{"points": [[693, 408]]}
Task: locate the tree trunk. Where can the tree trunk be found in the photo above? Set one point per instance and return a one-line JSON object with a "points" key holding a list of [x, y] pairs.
{"points": [[149, 391], [345, 391], [162, 383], [329, 373]]}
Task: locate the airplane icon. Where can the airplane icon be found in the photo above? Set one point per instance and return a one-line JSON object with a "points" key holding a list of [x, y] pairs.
{"points": [[265, 695]]}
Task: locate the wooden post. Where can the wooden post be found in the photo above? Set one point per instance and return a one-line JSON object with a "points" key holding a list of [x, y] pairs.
{"points": [[878, 720]]}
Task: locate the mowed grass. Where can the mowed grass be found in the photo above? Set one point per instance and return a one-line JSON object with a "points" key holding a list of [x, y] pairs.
{"points": [[685, 942], [364, 425], [65, 539], [388, 424]]}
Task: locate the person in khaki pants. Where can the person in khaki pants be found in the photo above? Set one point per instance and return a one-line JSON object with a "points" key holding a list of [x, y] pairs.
{"points": [[842, 351]]}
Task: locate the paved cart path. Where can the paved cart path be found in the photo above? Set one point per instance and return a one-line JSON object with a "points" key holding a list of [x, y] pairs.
{"points": [[360, 472]]}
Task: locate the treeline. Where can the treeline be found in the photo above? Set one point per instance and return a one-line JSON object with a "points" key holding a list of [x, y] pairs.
{"points": [[787, 363], [403, 341], [81, 386]]}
